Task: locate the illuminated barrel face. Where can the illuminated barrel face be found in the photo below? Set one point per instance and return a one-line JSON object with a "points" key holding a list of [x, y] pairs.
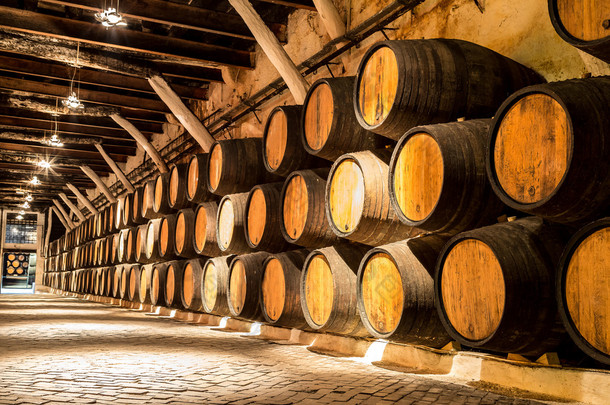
{"points": [[273, 289], [318, 116], [319, 289], [346, 195]]}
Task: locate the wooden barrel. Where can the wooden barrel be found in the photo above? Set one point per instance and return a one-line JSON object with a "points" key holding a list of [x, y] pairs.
{"points": [[136, 207], [549, 148], [329, 125], [116, 282], [122, 249], [167, 230], [177, 196], [123, 282], [583, 289], [234, 166], [144, 285], [148, 200], [304, 222], [133, 280], [110, 281], [243, 291], [110, 219], [283, 150], [584, 24], [118, 214], [406, 83], [437, 178], [114, 248], [204, 238], [157, 283], [230, 224], [191, 285], [173, 283], [161, 200], [358, 202], [263, 218], [184, 235], [131, 245], [396, 292], [494, 287], [127, 219], [152, 238], [280, 294], [215, 284], [197, 188], [140, 255], [328, 289]]}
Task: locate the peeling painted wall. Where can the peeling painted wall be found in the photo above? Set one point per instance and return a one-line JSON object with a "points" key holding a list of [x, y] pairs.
{"points": [[519, 29]]}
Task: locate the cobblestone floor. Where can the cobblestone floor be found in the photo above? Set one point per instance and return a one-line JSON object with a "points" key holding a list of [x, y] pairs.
{"points": [[62, 350]]}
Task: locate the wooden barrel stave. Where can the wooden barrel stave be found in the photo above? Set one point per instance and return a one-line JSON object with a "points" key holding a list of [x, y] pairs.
{"points": [[263, 218], [190, 294], [437, 178], [157, 283], [230, 224], [280, 294], [177, 193], [173, 284], [494, 286], [304, 221], [244, 285], [328, 289], [204, 236], [185, 228], [197, 173], [167, 231], [152, 241], [133, 290], [161, 201], [215, 284]]}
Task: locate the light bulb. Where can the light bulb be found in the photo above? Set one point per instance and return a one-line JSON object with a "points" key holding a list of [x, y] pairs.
{"points": [[29, 197], [44, 164], [35, 181], [26, 205]]}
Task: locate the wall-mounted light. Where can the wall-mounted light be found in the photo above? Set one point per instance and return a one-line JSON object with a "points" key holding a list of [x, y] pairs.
{"points": [[35, 181]]}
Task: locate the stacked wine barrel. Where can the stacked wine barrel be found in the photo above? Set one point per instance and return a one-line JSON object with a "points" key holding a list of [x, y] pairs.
{"points": [[409, 214]]}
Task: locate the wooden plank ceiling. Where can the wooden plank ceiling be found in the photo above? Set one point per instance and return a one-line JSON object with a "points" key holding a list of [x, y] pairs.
{"points": [[187, 41]]}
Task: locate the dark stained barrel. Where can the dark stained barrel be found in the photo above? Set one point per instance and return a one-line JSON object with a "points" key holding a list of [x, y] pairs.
{"points": [[116, 282], [358, 202], [204, 236], [494, 287], [283, 150], [437, 178], [197, 174], [304, 221], [329, 289], [215, 284], [152, 238], [549, 148], [396, 292], [584, 24], [329, 125], [140, 255], [173, 284], [185, 228], [177, 196], [157, 283], [245, 284], [144, 285], [124, 282], [167, 230], [406, 83], [191, 285], [136, 207], [230, 224], [263, 218], [133, 280], [280, 294], [148, 197], [161, 200], [583, 289], [234, 166]]}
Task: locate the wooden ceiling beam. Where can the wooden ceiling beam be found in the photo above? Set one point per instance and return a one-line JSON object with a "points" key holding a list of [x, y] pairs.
{"points": [[301, 4], [72, 172], [85, 95], [51, 152], [106, 79], [58, 162], [101, 58], [135, 41], [179, 15]]}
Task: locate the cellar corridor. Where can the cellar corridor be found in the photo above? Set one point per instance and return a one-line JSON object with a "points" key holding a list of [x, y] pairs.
{"points": [[63, 350]]}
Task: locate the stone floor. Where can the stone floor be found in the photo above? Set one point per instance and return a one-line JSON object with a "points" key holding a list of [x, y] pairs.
{"points": [[63, 350]]}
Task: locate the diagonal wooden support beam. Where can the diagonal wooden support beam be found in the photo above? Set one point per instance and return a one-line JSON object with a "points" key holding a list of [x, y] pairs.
{"points": [[335, 27], [297, 85], [116, 169], [61, 218], [72, 207], [98, 182], [84, 200], [63, 215], [182, 112], [141, 139]]}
